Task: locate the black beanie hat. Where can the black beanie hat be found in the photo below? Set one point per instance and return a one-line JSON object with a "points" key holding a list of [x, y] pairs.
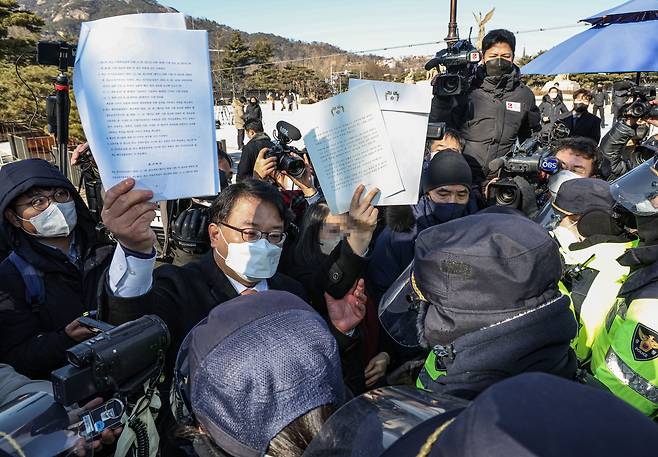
{"points": [[446, 168]]}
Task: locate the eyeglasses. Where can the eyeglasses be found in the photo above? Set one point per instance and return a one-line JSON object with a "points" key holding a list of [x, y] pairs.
{"points": [[252, 235], [41, 202]]}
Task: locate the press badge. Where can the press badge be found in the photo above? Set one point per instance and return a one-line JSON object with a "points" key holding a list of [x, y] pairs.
{"points": [[513, 106]]}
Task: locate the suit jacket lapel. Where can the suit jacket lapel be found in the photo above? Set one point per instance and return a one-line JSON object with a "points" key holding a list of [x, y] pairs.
{"points": [[220, 287]]}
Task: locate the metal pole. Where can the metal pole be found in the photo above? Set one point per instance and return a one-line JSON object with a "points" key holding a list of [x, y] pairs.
{"points": [[62, 115], [452, 25]]}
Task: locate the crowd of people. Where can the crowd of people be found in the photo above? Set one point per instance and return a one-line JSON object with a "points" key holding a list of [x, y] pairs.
{"points": [[546, 335]]}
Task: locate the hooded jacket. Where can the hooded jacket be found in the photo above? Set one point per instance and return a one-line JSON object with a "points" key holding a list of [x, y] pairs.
{"points": [[252, 111], [32, 338], [498, 111]]}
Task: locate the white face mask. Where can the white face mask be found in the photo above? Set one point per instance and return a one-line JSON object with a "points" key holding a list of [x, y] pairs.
{"points": [[328, 246], [253, 262], [58, 220]]}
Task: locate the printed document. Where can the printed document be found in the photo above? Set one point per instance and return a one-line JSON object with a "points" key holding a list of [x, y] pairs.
{"points": [[348, 146], [405, 108], [145, 101]]}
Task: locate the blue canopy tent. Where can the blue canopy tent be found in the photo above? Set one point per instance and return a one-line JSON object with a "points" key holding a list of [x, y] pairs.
{"points": [[622, 39]]}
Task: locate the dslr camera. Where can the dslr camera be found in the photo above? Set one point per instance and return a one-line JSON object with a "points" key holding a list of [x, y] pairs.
{"points": [[287, 157], [641, 106], [459, 60], [117, 360]]}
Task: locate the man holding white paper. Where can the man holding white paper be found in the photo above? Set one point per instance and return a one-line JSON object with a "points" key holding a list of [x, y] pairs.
{"points": [[145, 99], [349, 146]]}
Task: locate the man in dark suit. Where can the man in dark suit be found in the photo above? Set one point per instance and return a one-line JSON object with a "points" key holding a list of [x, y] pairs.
{"points": [[247, 230], [580, 121]]}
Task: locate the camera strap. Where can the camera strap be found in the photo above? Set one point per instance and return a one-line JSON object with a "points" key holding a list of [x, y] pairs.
{"points": [[140, 431], [35, 289]]}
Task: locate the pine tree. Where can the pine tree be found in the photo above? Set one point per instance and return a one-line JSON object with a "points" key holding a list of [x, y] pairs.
{"points": [[18, 30]]}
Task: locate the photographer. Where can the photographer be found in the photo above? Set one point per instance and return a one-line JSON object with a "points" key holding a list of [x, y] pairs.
{"points": [[52, 276], [578, 155], [497, 108], [258, 140], [624, 145]]}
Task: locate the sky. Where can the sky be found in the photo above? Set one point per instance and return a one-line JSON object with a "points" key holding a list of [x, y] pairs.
{"points": [[355, 25]]}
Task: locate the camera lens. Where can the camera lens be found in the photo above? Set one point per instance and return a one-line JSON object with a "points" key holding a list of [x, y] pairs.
{"points": [[449, 84], [507, 196], [292, 165]]}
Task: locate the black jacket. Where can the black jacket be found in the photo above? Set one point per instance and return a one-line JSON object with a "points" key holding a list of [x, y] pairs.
{"points": [[587, 125], [553, 110], [250, 154], [252, 112], [613, 151], [32, 338], [643, 280], [335, 274], [495, 114], [182, 296], [538, 340]]}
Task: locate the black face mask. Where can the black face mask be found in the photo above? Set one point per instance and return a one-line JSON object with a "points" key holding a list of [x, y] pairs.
{"points": [[439, 213], [498, 67], [579, 107]]}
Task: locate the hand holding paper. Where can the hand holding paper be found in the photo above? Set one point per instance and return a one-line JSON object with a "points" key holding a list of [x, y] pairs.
{"points": [[145, 99], [349, 146]]}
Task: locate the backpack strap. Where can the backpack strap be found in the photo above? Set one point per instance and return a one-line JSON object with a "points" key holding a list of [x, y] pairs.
{"points": [[35, 290]]}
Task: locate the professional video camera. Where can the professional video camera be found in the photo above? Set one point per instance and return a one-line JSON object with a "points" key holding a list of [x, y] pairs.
{"points": [[641, 106], [533, 160], [293, 165], [118, 360], [459, 60]]}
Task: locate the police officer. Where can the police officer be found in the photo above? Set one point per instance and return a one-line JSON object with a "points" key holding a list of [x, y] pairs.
{"points": [[590, 241], [487, 304], [625, 354]]}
